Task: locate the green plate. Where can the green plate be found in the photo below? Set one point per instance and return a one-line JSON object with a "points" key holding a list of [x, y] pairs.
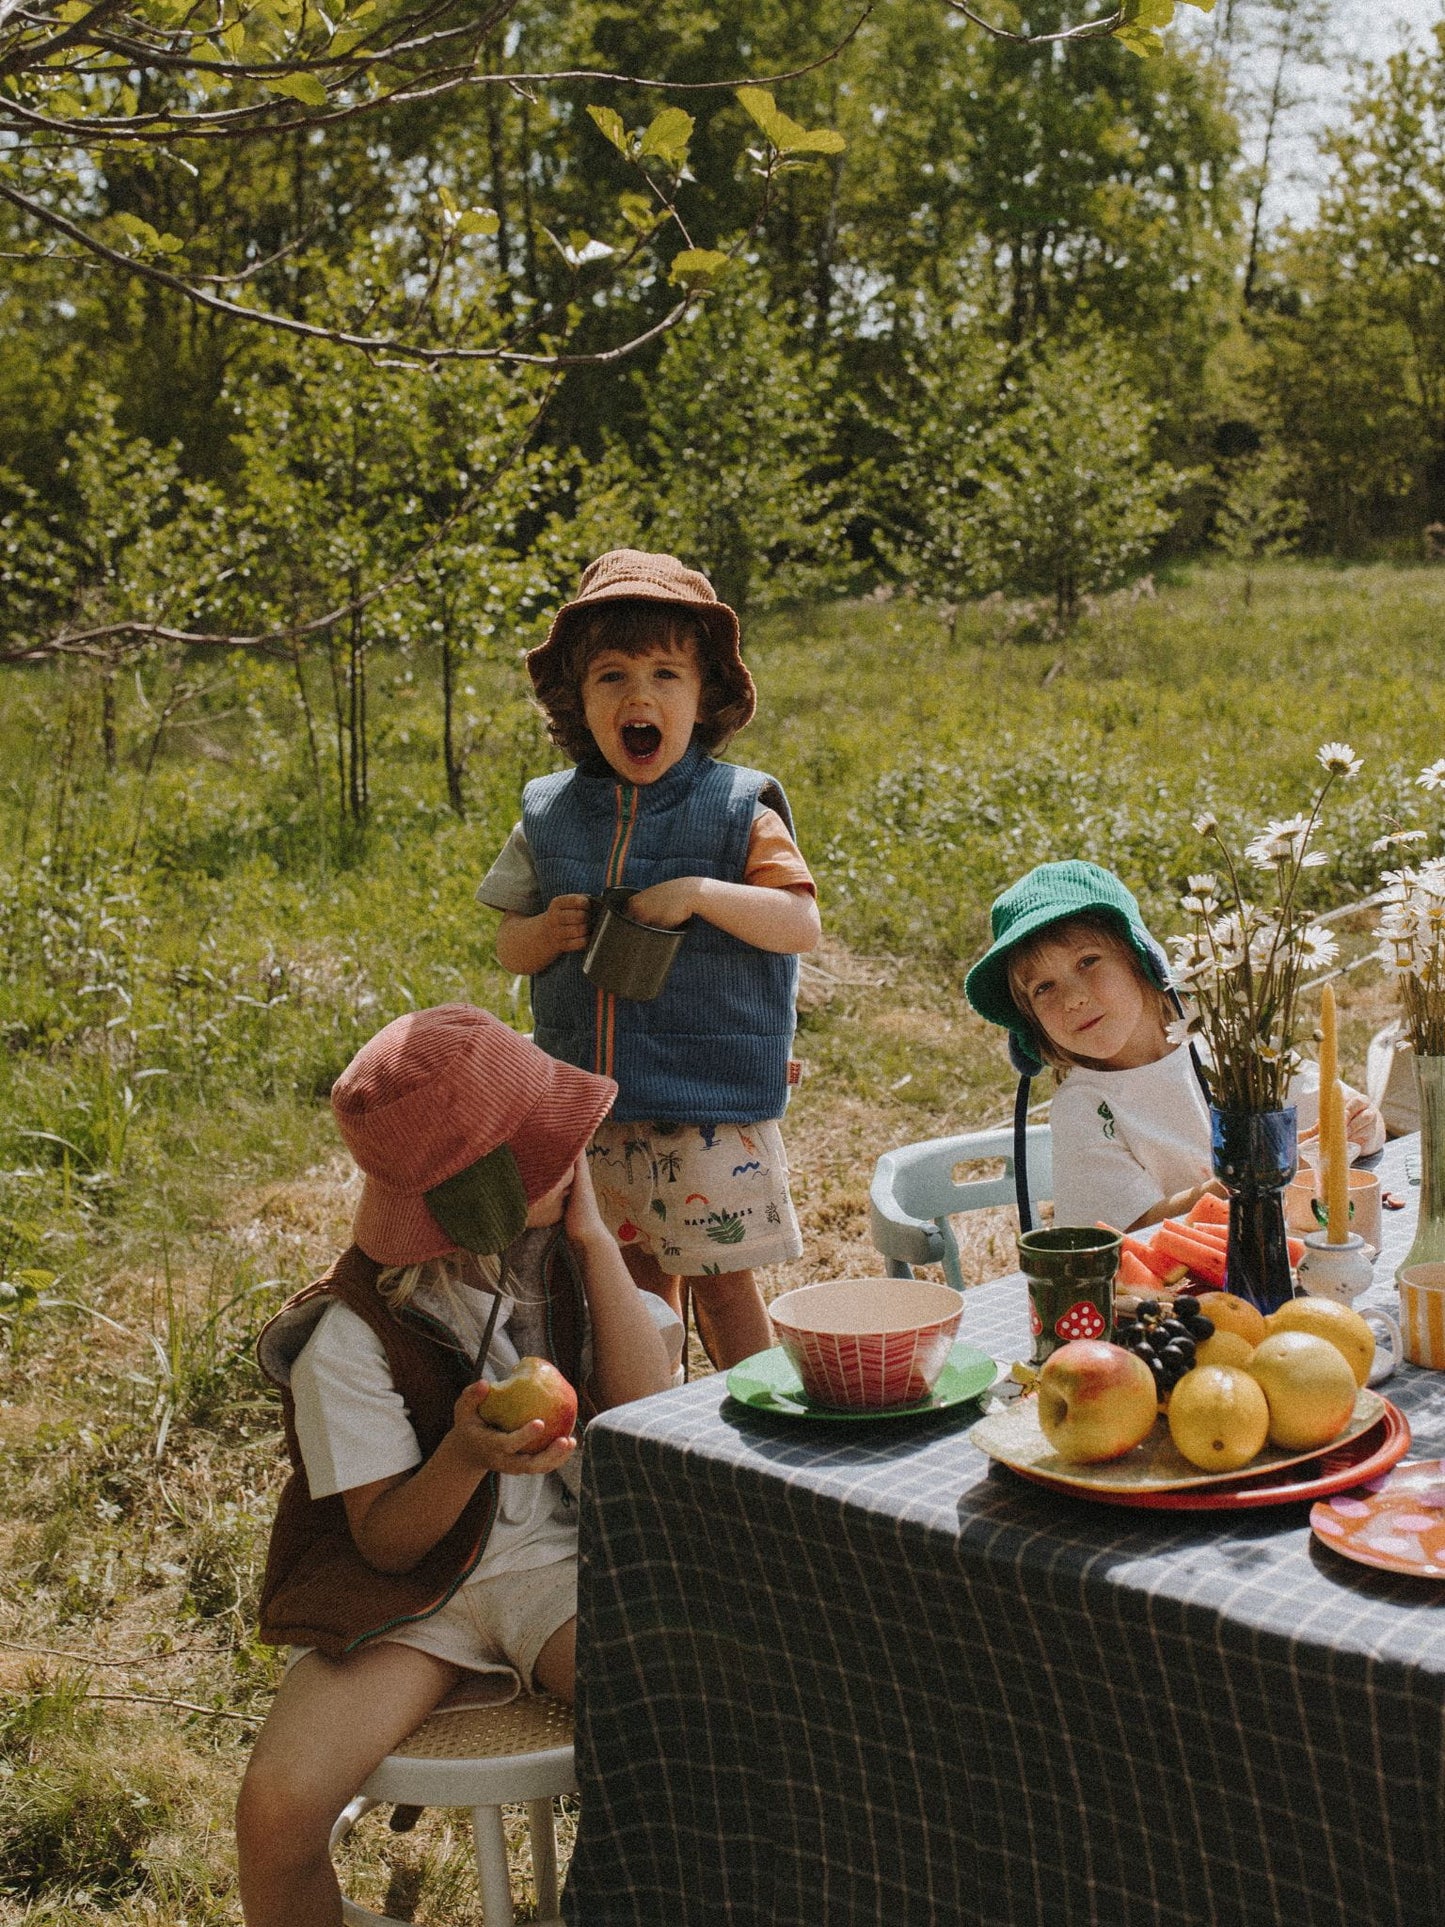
{"points": [[768, 1382]]}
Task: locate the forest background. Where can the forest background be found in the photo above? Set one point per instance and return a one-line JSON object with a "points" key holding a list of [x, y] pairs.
{"points": [[1067, 487]]}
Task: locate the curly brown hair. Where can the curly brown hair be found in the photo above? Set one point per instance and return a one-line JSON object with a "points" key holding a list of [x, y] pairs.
{"points": [[632, 625]]}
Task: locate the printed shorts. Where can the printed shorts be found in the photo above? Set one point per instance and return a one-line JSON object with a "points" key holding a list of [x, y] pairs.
{"points": [[699, 1198]]}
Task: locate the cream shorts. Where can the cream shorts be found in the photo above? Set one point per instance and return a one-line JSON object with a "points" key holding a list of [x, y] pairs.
{"points": [[494, 1627], [699, 1198]]}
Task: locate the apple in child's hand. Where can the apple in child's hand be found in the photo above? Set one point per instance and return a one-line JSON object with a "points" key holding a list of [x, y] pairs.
{"points": [[533, 1389], [1096, 1401]]}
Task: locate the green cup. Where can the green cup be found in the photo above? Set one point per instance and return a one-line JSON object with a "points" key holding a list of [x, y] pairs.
{"points": [[1070, 1272]]}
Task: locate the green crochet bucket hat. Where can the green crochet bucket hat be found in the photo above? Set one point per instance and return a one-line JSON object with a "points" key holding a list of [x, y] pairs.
{"points": [[1048, 895]]}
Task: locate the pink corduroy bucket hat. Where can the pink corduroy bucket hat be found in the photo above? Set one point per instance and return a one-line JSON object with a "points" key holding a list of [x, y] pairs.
{"points": [[458, 1124]]}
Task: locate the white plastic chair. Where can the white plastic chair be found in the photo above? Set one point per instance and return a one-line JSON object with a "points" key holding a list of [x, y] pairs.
{"points": [[914, 1193], [482, 1758]]}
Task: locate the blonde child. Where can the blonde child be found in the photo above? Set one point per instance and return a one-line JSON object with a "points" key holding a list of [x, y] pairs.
{"points": [[642, 682], [415, 1546], [1080, 984]]}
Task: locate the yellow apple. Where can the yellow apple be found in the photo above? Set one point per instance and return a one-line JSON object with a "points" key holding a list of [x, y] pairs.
{"points": [[1096, 1401], [533, 1389]]}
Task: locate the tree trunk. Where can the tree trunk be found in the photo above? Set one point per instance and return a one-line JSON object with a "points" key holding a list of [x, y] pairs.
{"points": [[107, 717], [449, 748]]}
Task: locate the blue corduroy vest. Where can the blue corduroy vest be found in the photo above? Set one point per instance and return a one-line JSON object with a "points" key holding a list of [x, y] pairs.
{"points": [[713, 1047]]}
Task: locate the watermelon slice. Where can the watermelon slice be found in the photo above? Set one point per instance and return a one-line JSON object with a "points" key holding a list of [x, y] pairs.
{"points": [[1205, 1260]]}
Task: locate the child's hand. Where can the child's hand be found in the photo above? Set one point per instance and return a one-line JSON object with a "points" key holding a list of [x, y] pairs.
{"points": [[583, 1221], [1364, 1127], [488, 1450], [666, 905], [565, 922]]}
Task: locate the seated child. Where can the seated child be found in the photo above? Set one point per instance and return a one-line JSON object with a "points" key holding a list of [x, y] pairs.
{"points": [[642, 683], [1081, 985], [416, 1546]]}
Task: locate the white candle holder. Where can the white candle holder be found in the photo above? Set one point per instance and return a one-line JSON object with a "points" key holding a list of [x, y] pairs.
{"points": [[1340, 1271]]}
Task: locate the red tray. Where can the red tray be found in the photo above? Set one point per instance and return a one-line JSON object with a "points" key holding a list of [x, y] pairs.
{"points": [[1374, 1452]]}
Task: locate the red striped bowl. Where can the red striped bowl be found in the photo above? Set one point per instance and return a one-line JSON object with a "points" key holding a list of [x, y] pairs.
{"points": [[864, 1344]]}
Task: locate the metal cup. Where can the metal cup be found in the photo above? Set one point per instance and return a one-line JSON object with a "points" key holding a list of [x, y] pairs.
{"points": [[629, 958], [1070, 1271]]}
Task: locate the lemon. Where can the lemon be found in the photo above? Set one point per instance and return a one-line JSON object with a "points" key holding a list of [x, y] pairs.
{"points": [[1327, 1318], [1224, 1348], [1310, 1387], [1230, 1313], [1218, 1417]]}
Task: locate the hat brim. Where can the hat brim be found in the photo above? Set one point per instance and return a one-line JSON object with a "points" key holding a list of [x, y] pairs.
{"points": [[721, 623], [395, 1228], [987, 986]]}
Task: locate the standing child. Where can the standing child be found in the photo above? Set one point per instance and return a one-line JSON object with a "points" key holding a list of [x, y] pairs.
{"points": [[415, 1545], [1080, 984], [642, 682]]}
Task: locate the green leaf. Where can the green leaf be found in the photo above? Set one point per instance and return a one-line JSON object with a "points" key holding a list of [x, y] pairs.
{"points": [[303, 87], [667, 136], [1140, 40], [476, 220], [696, 267], [790, 136], [609, 124], [638, 211]]}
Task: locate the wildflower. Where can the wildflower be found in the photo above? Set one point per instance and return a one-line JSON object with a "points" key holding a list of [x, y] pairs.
{"points": [[1339, 759], [1205, 885], [1317, 948], [1206, 825], [1433, 778], [1395, 837], [1201, 906]]}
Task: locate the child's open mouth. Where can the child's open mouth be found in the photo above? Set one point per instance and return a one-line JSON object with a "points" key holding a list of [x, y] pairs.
{"points": [[641, 740]]}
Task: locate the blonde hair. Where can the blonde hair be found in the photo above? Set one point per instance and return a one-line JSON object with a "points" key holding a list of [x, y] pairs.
{"points": [[1089, 923], [399, 1284]]}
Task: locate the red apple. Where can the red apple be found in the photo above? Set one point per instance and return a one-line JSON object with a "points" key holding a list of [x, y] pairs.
{"points": [[533, 1389], [1096, 1401]]}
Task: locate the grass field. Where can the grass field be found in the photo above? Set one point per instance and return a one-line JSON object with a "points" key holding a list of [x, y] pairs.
{"points": [[189, 952]]}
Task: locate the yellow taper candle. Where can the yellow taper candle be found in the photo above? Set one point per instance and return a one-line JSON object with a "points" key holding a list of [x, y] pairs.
{"points": [[1329, 1047], [1337, 1168]]}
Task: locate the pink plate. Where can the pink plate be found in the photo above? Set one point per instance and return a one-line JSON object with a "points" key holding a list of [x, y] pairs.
{"points": [[1369, 1456], [1396, 1522]]}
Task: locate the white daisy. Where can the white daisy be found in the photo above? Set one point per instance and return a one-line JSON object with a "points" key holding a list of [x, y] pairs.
{"points": [[1339, 759], [1433, 778], [1317, 948]]}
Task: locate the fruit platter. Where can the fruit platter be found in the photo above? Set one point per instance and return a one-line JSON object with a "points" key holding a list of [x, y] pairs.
{"points": [[1204, 1401]]}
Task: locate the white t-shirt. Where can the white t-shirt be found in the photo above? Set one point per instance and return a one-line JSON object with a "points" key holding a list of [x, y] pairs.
{"points": [[1123, 1140], [353, 1427]]}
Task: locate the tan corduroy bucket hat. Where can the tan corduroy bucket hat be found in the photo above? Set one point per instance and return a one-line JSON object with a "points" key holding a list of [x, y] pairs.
{"points": [[639, 575], [427, 1106]]}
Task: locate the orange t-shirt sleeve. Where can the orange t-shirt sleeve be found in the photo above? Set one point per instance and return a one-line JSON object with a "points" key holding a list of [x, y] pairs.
{"points": [[774, 860]]}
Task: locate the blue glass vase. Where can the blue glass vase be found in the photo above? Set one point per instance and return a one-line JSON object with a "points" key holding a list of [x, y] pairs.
{"points": [[1255, 1154]]}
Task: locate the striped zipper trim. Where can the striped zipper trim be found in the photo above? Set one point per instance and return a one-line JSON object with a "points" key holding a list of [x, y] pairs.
{"points": [[605, 1022]]}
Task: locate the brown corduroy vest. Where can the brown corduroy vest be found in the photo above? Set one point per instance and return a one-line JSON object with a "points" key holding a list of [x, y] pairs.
{"points": [[318, 1590]]}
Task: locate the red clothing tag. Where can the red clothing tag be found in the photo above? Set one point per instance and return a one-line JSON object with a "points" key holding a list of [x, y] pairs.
{"points": [[795, 1071]]}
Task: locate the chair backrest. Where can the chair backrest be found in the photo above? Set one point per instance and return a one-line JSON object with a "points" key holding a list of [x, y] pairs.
{"points": [[914, 1193]]}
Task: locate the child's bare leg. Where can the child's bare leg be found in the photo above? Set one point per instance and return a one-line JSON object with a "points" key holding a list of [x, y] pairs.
{"points": [[331, 1723], [555, 1668], [732, 1320], [648, 1275]]}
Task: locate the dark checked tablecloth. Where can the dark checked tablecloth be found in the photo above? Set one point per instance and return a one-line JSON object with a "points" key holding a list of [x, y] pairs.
{"points": [[847, 1673]]}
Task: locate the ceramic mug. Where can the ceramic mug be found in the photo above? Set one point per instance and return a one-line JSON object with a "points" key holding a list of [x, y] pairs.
{"points": [[1303, 1194], [629, 958], [1070, 1273], [1422, 1314]]}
